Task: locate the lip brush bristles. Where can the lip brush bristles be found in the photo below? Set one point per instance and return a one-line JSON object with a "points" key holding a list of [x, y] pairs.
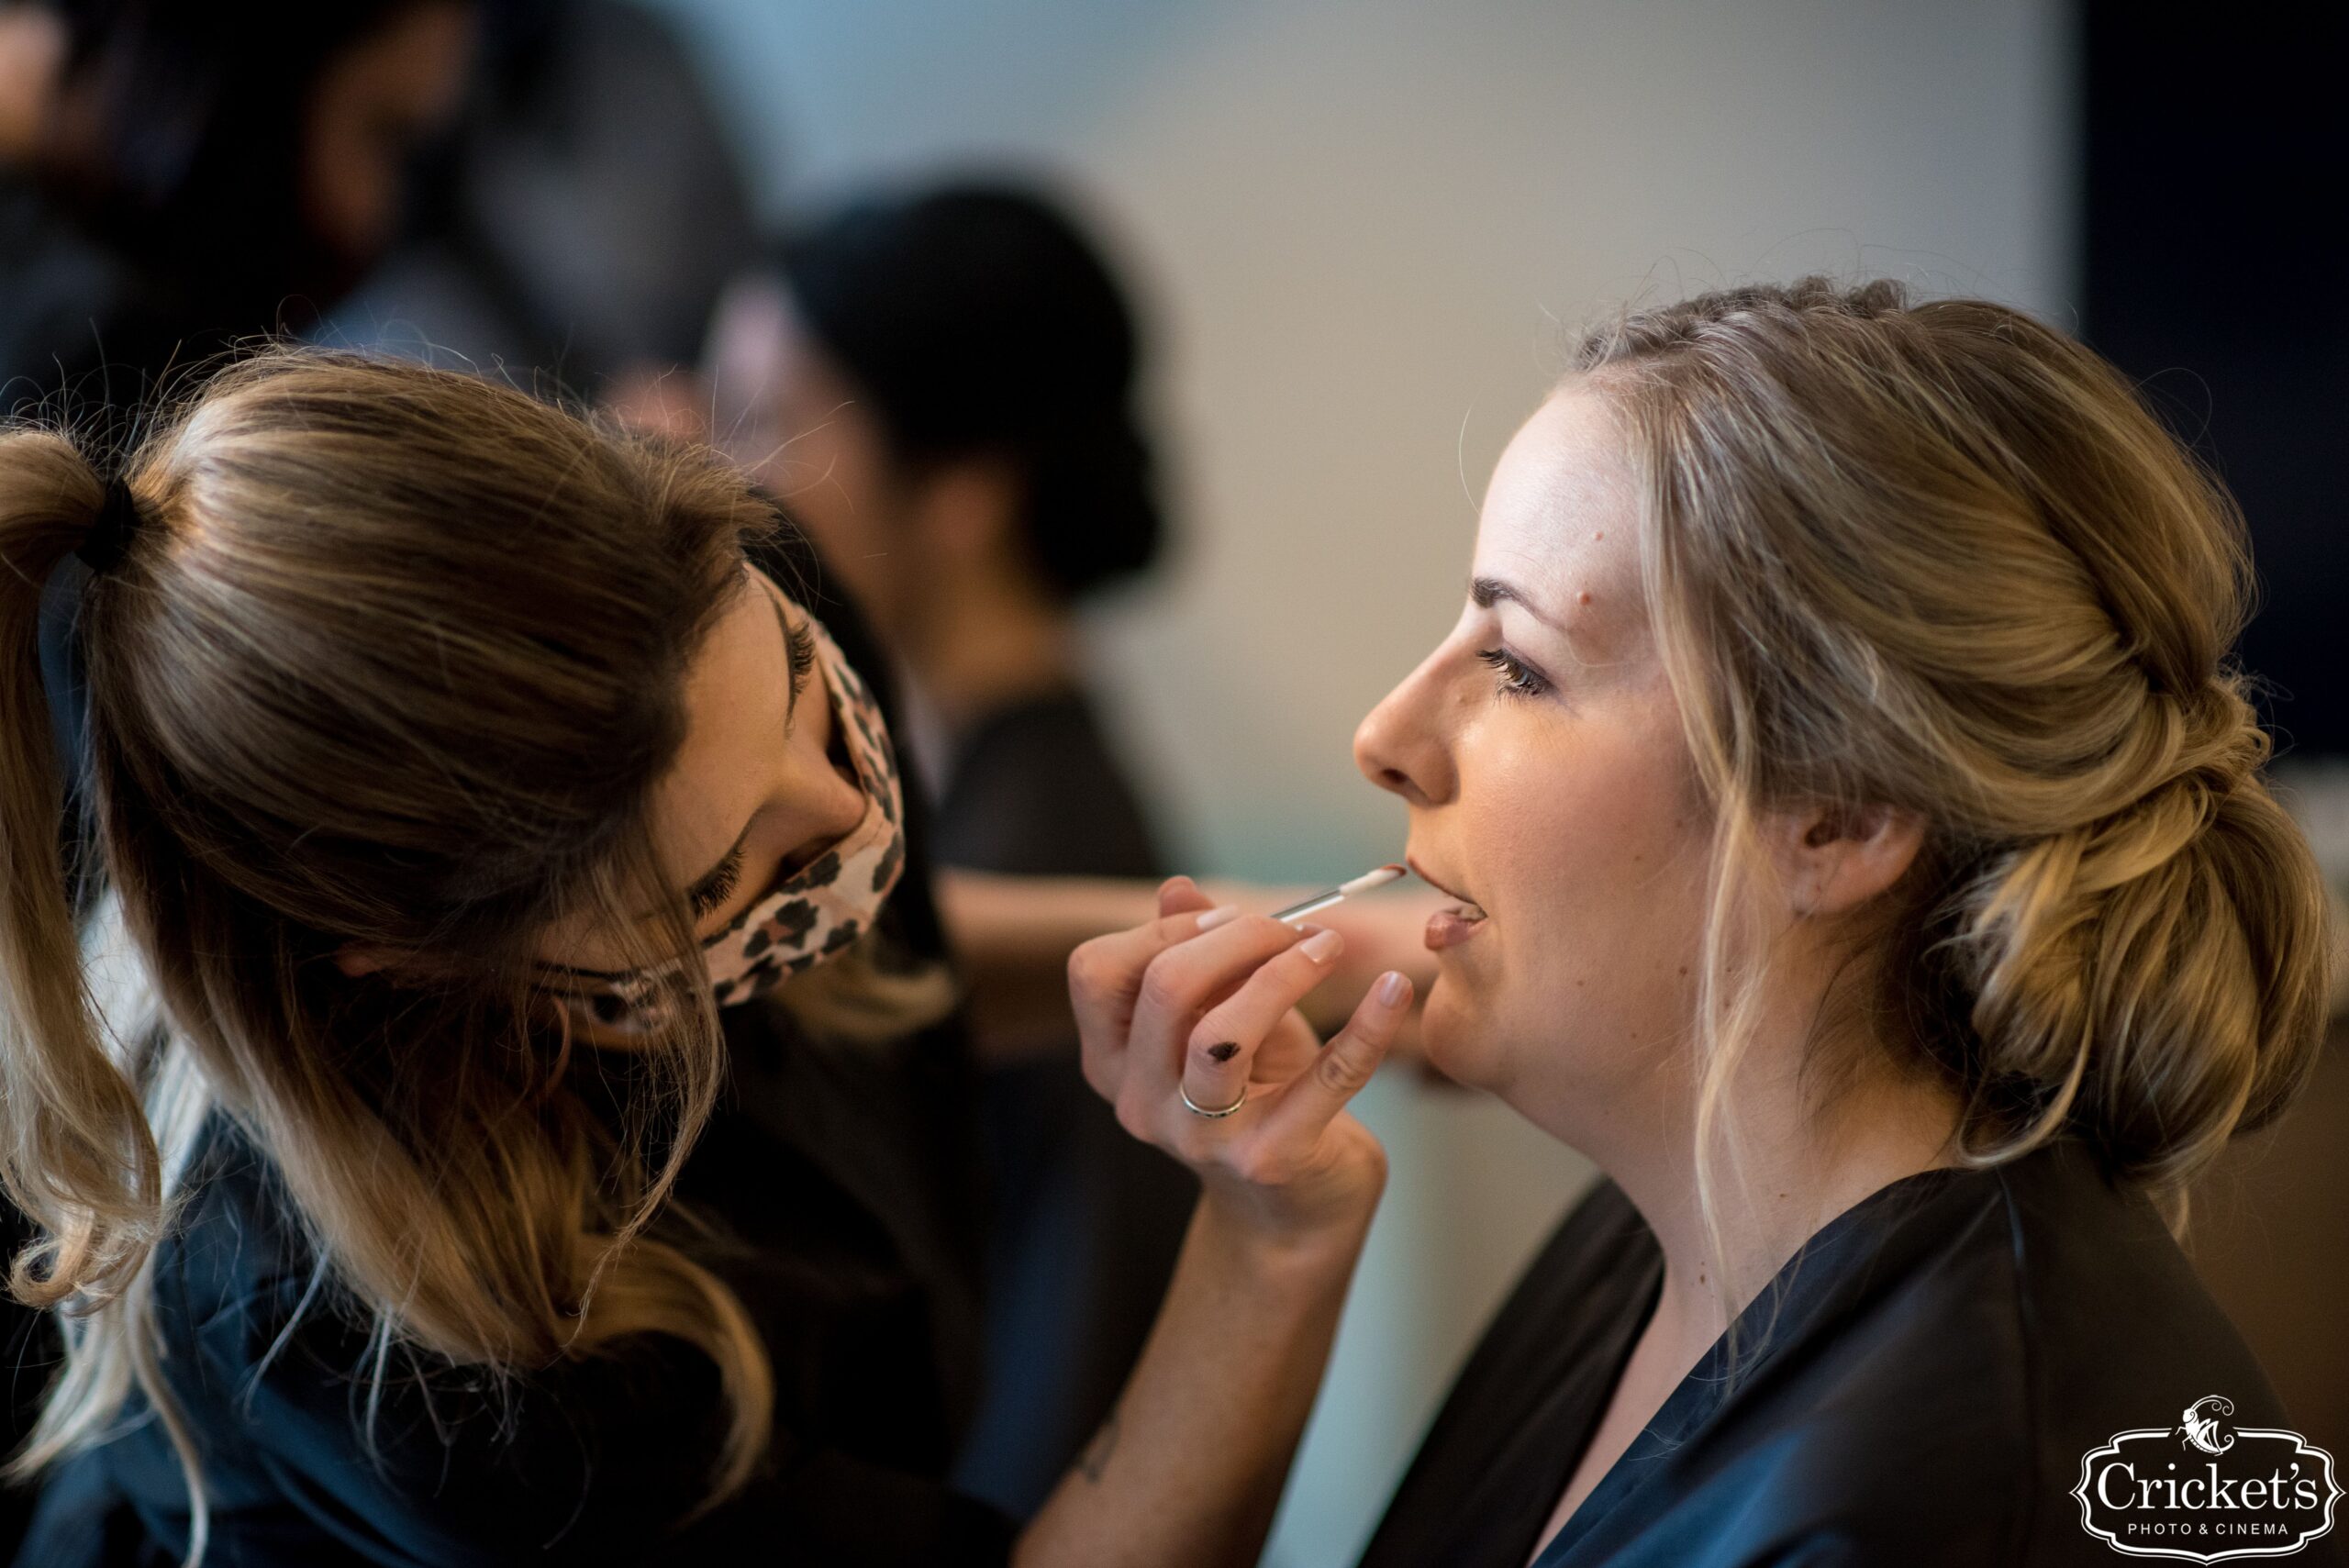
{"points": [[1344, 890]]}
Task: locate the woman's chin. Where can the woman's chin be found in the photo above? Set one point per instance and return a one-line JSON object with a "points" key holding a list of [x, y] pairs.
{"points": [[1450, 1038]]}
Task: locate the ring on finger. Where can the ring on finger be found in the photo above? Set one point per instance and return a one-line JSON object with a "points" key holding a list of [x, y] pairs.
{"points": [[1198, 1109]]}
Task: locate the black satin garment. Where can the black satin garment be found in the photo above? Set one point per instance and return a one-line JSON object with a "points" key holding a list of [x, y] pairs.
{"points": [[1942, 1357]]}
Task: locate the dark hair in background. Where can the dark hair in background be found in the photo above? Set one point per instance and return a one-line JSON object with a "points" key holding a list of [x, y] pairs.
{"points": [[978, 320], [189, 135]]}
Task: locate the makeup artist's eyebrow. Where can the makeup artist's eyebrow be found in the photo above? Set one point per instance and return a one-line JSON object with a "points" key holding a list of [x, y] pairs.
{"points": [[1487, 591]]}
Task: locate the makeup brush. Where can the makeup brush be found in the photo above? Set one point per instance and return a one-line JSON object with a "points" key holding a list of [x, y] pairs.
{"points": [[1344, 890]]}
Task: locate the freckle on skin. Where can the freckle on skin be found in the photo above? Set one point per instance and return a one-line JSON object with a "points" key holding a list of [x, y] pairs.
{"points": [[1584, 599]]}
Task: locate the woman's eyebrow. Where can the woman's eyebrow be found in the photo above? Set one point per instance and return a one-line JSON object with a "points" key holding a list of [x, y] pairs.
{"points": [[1487, 591]]}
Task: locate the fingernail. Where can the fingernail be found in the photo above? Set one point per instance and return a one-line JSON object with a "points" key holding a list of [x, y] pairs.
{"points": [[1220, 914], [1392, 988], [1322, 946]]}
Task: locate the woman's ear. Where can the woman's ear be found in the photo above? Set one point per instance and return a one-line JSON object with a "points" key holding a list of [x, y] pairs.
{"points": [[967, 510], [1832, 859]]}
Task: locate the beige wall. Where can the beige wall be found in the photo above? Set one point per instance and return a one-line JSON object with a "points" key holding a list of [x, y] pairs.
{"points": [[1360, 222]]}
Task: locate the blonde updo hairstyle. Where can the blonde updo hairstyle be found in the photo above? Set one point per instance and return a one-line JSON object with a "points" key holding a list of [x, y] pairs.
{"points": [[1940, 557]]}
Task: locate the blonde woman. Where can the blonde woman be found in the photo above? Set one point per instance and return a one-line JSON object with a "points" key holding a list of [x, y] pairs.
{"points": [[510, 1111], [1862, 854]]}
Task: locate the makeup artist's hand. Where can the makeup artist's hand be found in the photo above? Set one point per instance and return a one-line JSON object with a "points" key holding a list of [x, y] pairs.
{"points": [[1168, 1008]]}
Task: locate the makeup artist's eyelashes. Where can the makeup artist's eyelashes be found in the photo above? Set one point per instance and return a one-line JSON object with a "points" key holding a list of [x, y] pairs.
{"points": [[1518, 679], [710, 894], [803, 654]]}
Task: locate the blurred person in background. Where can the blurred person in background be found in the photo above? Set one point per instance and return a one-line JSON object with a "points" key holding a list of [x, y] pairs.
{"points": [[174, 178], [943, 383], [580, 221]]}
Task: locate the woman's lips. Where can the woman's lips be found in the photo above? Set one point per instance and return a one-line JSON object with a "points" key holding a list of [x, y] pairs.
{"points": [[1450, 927]]}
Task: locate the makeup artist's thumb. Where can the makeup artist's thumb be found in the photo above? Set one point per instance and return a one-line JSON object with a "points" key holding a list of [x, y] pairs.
{"points": [[1348, 1062]]}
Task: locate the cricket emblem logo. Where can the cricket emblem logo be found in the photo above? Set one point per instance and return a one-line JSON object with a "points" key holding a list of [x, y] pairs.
{"points": [[2205, 1490]]}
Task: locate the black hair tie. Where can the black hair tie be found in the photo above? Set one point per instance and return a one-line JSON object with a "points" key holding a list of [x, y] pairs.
{"points": [[108, 539]]}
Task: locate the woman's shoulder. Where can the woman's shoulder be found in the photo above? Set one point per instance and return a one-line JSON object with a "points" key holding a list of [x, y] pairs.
{"points": [[235, 1241], [1923, 1383], [1967, 1339]]}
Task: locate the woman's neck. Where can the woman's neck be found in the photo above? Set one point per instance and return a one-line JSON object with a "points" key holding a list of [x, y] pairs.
{"points": [[1790, 1183], [981, 643], [1799, 1147]]}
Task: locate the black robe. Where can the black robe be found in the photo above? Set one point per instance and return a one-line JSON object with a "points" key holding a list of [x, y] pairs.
{"points": [[1920, 1386]]}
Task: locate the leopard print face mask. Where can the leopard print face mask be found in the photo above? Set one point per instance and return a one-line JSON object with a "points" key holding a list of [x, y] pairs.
{"points": [[807, 916]]}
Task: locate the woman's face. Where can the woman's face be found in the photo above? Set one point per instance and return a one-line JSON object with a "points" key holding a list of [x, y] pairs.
{"points": [[757, 790], [1539, 748], [789, 417], [368, 112]]}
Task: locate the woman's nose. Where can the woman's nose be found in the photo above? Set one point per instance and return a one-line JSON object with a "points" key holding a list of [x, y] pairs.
{"points": [[1397, 746]]}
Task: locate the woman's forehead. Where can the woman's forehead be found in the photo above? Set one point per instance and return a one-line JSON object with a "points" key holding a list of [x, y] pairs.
{"points": [[1560, 524]]}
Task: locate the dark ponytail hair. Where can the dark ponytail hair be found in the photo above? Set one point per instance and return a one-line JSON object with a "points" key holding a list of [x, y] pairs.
{"points": [[976, 320]]}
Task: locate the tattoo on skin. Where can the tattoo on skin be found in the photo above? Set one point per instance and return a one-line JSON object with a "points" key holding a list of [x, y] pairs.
{"points": [[1095, 1460]]}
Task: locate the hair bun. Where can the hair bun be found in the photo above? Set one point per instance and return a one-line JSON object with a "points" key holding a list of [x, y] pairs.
{"points": [[2127, 973]]}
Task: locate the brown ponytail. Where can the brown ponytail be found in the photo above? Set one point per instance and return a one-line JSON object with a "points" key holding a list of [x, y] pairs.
{"points": [[396, 659], [76, 1154]]}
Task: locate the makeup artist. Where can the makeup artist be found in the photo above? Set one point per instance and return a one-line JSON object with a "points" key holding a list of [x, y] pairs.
{"points": [[512, 1106]]}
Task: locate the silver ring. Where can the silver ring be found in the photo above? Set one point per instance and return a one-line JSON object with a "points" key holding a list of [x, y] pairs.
{"points": [[1196, 1109]]}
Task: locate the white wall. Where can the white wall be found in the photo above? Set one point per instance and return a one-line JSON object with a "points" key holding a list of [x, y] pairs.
{"points": [[1360, 222]]}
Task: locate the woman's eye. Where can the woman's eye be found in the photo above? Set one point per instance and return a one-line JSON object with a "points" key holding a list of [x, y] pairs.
{"points": [[1517, 680]]}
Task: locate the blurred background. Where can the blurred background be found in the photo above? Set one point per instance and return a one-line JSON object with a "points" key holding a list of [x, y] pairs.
{"points": [[1354, 235]]}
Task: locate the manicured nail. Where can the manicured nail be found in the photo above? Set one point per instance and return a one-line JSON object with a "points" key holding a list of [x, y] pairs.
{"points": [[1322, 946], [1393, 988], [1220, 914]]}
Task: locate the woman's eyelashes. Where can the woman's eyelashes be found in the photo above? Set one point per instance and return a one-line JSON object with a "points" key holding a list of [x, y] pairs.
{"points": [[1519, 679]]}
